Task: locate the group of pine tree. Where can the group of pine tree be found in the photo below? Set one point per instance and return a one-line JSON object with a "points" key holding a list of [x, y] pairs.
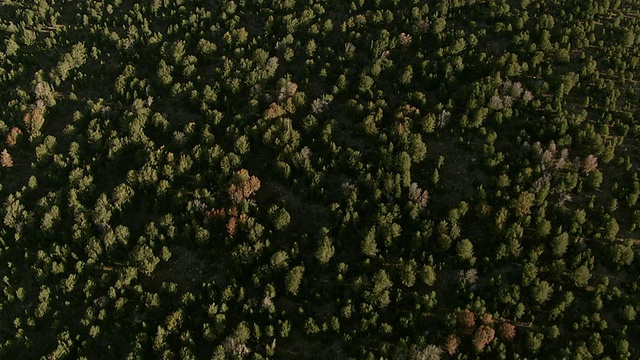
{"points": [[320, 179]]}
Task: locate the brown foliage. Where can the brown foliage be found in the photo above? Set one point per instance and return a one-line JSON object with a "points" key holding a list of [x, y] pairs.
{"points": [[482, 337], [506, 331], [33, 121], [243, 186], [229, 216], [423, 25], [451, 344], [487, 319], [273, 111], [216, 213], [466, 321], [418, 196], [12, 136]]}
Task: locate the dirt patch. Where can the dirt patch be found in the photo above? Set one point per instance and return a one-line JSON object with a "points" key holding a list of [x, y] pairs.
{"points": [[186, 268], [458, 173]]}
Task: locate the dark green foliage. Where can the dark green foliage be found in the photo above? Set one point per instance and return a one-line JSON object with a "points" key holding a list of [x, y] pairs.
{"points": [[282, 179]]}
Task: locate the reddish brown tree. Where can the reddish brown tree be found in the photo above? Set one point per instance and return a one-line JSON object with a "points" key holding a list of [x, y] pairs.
{"points": [[506, 331], [466, 321], [482, 337], [451, 344], [12, 136], [243, 186]]}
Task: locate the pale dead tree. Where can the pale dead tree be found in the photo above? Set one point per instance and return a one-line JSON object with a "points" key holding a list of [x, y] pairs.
{"points": [[305, 152], [548, 159], [507, 100], [272, 64], [516, 90], [318, 105], [267, 304], [468, 278], [418, 196], [287, 91], [496, 103], [423, 25], [541, 182], [566, 197], [235, 347], [405, 39], [590, 164], [443, 118], [44, 94], [506, 86], [349, 48], [5, 159], [562, 162], [429, 352], [179, 137]]}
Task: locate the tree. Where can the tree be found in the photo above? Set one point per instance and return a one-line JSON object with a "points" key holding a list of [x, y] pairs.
{"points": [[464, 250], [325, 250], [466, 321], [523, 204], [243, 186], [164, 73], [5, 159], [611, 229], [280, 217], [594, 179], [559, 244], [542, 292], [292, 280], [408, 273], [368, 245], [581, 275], [628, 313], [428, 275], [534, 341], [279, 259], [506, 331], [595, 344], [429, 352], [33, 122], [589, 164], [12, 136], [482, 337], [451, 344], [381, 286], [622, 254], [144, 257], [418, 196]]}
